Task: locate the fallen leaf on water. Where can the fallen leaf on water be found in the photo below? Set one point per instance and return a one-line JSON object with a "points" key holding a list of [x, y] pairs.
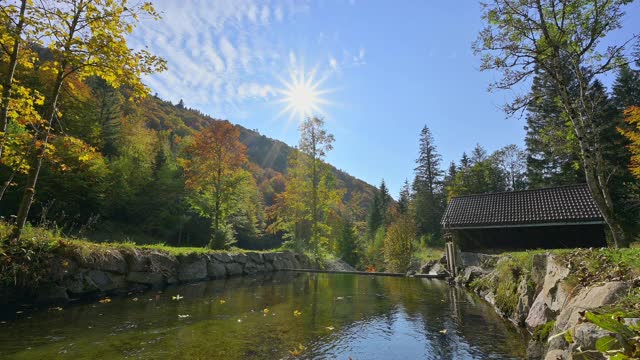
{"points": [[104, 301], [55, 308], [239, 320], [177, 297], [297, 313], [135, 299], [19, 312], [443, 331], [184, 316], [297, 351], [222, 301], [330, 328], [265, 311], [340, 298]]}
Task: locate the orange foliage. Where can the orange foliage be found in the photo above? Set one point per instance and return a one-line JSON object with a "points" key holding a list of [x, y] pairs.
{"points": [[632, 118]]}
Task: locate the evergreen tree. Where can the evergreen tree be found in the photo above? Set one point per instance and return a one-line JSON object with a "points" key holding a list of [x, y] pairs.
{"points": [[428, 172], [405, 198], [385, 201], [427, 187], [347, 246]]}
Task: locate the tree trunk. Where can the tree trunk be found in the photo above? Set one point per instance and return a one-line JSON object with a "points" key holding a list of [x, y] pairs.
{"points": [[32, 179], [7, 85]]}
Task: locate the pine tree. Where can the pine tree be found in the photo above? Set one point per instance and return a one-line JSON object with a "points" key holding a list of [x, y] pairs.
{"points": [[405, 198], [427, 187], [428, 172]]}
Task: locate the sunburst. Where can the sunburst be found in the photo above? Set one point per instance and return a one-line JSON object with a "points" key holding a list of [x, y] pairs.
{"points": [[302, 95]]}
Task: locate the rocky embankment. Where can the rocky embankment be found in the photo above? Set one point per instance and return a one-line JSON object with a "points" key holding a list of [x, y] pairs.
{"points": [[548, 296], [79, 275]]}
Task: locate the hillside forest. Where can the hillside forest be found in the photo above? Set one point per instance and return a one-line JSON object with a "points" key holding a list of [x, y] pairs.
{"points": [[87, 151]]}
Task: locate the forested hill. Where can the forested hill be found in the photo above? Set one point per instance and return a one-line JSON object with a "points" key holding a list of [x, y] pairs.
{"points": [[270, 155]]}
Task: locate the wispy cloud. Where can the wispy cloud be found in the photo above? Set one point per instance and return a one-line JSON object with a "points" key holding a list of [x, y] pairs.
{"points": [[221, 53]]}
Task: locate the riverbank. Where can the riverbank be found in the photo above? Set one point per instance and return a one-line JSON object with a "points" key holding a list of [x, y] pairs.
{"points": [[576, 303], [45, 268]]}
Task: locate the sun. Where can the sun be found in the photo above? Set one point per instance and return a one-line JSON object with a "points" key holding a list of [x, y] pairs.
{"points": [[302, 95]]}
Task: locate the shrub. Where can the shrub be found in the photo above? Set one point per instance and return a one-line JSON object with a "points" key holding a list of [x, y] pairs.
{"points": [[398, 244]]}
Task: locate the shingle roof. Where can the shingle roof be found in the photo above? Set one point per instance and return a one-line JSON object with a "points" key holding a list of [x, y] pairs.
{"points": [[557, 205]]}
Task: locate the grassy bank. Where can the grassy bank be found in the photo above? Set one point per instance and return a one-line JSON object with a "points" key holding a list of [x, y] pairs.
{"points": [[588, 267]]}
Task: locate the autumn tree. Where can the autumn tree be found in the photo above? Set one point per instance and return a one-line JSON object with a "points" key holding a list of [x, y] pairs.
{"points": [[563, 39], [216, 178], [302, 210], [398, 244], [633, 134], [88, 38]]}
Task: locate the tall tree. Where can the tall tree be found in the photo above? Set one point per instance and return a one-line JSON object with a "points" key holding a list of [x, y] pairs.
{"points": [[88, 39], [560, 38], [427, 186], [214, 174], [553, 153], [303, 209], [512, 160], [405, 198], [428, 172], [633, 134]]}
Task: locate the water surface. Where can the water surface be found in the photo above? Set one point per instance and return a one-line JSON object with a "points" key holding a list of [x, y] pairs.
{"points": [[336, 317]]}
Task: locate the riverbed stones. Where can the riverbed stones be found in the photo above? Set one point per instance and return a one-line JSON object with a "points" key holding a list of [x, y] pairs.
{"points": [[222, 257], [192, 268]]}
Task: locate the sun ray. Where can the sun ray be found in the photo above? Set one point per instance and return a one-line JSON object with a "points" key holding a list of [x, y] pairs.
{"points": [[302, 95]]}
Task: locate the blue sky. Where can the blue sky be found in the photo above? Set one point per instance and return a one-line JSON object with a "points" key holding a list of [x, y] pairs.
{"points": [[389, 67]]}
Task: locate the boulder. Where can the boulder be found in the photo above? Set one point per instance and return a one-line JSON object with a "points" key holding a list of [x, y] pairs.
{"points": [[255, 257], [78, 283], [163, 263], [107, 260], [556, 355], [476, 259], [192, 268], [438, 269], [216, 269], [104, 281], [536, 350], [153, 279], [469, 274], [252, 268], [240, 258], [269, 257], [525, 300], [222, 257], [138, 261], [588, 299], [233, 269], [424, 269], [585, 336], [551, 298], [539, 270]]}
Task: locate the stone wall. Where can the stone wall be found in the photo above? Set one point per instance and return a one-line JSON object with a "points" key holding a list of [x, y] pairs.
{"points": [[546, 295], [121, 271]]}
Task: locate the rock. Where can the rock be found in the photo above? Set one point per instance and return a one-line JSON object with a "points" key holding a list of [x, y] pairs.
{"points": [[252, 268], [631, 322], [539, 270], [216, 269], [51, 294], [255, 257], [556, 355], [443, 260], [233, 269], [585, 336], [469, 274], [536, 350], [222, 257], [153, 279], [438, 269], [588, 299], [411, 273], [587, 355], [480, 260], [424, 269], [104, 281], [240, 258], [108, 260], [552, 296], [163, 263], [79, 284], [269, 257], [60, 267], [138, 261], [525, 299], [192, 268]]}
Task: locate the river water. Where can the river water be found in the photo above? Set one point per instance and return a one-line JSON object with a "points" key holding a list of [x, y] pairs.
{"points": [[276, 316]]}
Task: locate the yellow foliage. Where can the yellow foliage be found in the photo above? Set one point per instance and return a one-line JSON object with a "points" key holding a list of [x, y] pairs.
{"points": [[632, 118]]}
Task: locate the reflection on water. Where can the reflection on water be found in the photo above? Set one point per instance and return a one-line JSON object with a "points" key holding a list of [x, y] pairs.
{"points": [[342, 317]]}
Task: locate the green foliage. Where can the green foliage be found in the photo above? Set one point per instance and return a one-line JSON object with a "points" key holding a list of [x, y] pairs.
{"points": [[398, 244], [347, 243], [222, 238], [626, 342], [542, 332]]}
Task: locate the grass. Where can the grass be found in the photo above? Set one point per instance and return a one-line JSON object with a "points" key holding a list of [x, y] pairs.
{"points": [[424, 254]]}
